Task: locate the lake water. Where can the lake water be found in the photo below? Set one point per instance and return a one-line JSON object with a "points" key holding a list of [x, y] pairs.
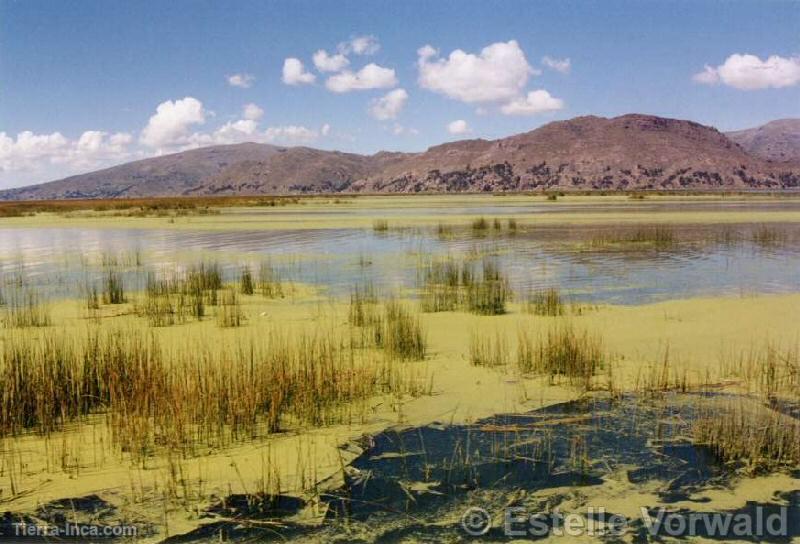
{"points": [[702, 259]]}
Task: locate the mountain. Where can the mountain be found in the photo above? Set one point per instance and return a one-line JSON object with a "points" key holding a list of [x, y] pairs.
{"points": [[627, 152], [777, 141]]}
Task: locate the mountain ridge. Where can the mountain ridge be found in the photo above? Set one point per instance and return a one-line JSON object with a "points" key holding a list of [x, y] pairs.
{"points": [[632, 151]]}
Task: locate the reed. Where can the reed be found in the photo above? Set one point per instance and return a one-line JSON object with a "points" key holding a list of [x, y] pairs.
{"points": [[380, 225], [402, 337], [24, 308], [768, 236], [480, 224], [659, 236], [269, 281], [546, 302], [489, 351], [246, 284], [449, 285], [229, 311], [562, 352], [740, 431], [149, 394], [113, 288]]}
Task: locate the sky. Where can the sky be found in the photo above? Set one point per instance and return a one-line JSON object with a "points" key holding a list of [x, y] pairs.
{"points": [[92, 83]]}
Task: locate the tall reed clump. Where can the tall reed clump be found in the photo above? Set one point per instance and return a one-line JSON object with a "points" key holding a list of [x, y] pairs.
{"points": [[24, 308], [480, 224], [659, 236], [390, 326], [200, 393], [229, 311], [562, 352], [176, 298], [772, 370], [489, 293], [113, 288], [768, 236], [269, 281], [402, 337], [546, 302], [246, 284], [487, 350], [449, 285], [740, 431], [380, 225]]}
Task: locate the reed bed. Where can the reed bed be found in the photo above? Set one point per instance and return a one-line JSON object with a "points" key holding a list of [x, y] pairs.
{"points": [[489, 351], [25, 308], [391, 326], [380, 225], [449, 285], [177, 298], [182, 396], [269, 284], [229, 311], [563, 352], [545, 302], [247, 285], [771, 370], [659, 236], [113, 288], [743, 432]]}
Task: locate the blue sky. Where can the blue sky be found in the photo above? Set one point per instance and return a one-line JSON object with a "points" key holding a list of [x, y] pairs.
{"points": [[81, 81]]}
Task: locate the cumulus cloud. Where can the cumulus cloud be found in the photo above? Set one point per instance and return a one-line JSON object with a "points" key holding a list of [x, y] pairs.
{"points": [[458, 127], [499, 73], [559, 65], [360, 45], [243, 81], [370, 76], [294, 73], [388, 106], [252, 112], [32, 157], [749, 72], [539, 101], [170, 126], [329, 63]]}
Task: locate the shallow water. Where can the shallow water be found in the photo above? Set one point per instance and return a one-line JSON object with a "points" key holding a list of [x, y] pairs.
{"points": [[703, 259], [413, 484]]}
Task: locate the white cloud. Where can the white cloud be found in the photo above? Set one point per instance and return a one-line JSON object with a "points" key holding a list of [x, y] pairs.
{"points": [[325, 130], [360, 45], [400, 130], [388, 106], [171, 123], [499, 73], [559, 65], [534, 102], [243, 81], [458, 127], [329, 63], [370, 76], [294, 73], [749, 72], [36, 157], [252, 112]]}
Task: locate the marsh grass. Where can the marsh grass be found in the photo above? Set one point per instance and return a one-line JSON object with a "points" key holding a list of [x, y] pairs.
{"points": [[113, 288], [480, 224], [229, 310], [773, 371], [177, 298], [545, 302], [25, 308], [449, 285], [391, 326], [743, 432], [246, 284], [156, 395], [380, 225], [489, 350], [767, 236], [563, 352], [659, 236], [270, 284]]}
